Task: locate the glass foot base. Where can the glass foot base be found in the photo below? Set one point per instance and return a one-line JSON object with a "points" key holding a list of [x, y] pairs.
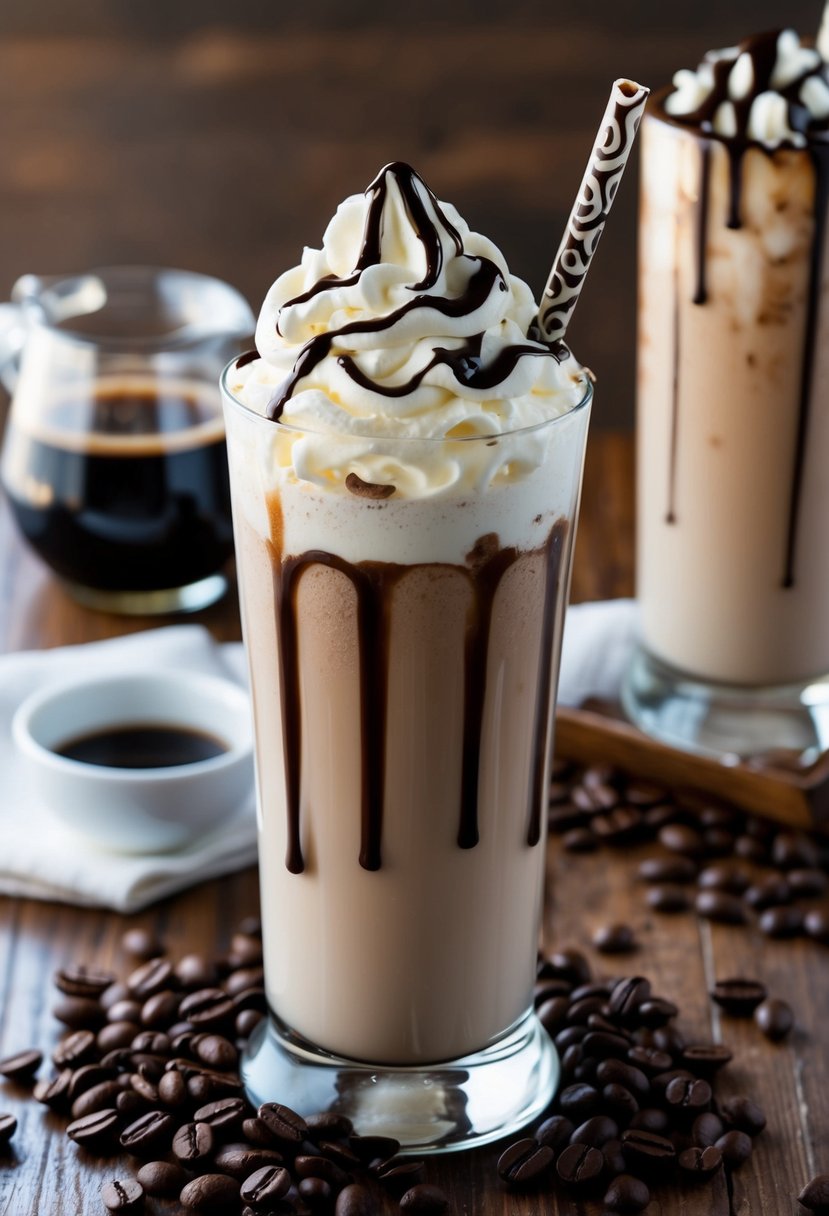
{"points": [[191, 598], [786, 725], [433, 1109]]}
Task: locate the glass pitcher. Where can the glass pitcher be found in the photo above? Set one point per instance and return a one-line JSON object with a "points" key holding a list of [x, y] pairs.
{"points": [[114, 459]]}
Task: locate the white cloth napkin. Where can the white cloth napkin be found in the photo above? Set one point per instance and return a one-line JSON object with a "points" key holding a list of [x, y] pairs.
{"points": [[42, 859]]}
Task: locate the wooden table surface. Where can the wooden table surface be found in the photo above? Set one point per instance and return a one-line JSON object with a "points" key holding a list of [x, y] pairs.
{"points": [[45, 1173]]}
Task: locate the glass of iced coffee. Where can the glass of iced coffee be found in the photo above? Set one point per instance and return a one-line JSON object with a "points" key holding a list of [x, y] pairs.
{"points": [[733, 405], [405, 470]]}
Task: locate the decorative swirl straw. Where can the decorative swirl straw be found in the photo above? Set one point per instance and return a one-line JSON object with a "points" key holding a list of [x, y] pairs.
{"points": [[593, 202]]}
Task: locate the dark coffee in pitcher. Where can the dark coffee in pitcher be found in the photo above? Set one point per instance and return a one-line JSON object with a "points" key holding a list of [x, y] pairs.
{"points": [[125, 488]]}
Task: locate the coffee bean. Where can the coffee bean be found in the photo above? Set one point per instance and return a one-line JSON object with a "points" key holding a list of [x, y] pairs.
{"points": [[735, 1148], [721, 907], [618, 826], [580, 1011], [151, 977], [524, 1162], [79, 1012], [807, 884], [596, 1131], [794, 851], [667, 870], [555, 1132], [593, 799], [162, 1179], [354, 1200], [126, 1010], [668, 898], [399, 1175], [781, 922], [769, 892], [615, 939], [316, 1193], [148, 1133], [627, 1194], [619, 1102], [739, 997], [244, 978], [690, 1098], [570, 965], [706, 1058], [368, 1148], [618, 1072], [580, 1165], [566, 818], [317, 1166], [816, 924], [553, 1013], [285, 1123], [424, 1198], [649, 1060], [246, 1022], [211, 1193], [815, 1195], [97, 1097], [130, 1105], [123, 1195], [570, 1035], [644, 793], [667, 1038], [54, 1092], [208, 1009], [578, 1101], [116, 1035], [160, 1009], [266, 1186], [750, 849], [679, 838], [614, 1162], [83, 981], [656, 1012], [241, 1160], [744, 1114], [775, 1018], [225, 1115], [76, 1049], [601, 1044], [579, 840], [194, 971], [700, 1162], [141, 944], [724, 877], [643, 1149], [651, 1119], [216, 1051], [627, 995], [172, 1090], [22, 1066], [96, 1130], [707, 1129], [193, 1143], [208, 1086]]}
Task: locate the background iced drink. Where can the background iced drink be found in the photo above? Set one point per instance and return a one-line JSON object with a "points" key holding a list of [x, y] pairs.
{"points": [[403, 539], [733, 426]]}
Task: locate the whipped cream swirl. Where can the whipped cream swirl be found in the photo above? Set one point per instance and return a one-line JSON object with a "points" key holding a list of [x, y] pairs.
{"points": [[771, 90], [405, 327]]}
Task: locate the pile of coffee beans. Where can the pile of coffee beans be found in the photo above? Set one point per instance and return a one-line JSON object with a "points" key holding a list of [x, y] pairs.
{"points": [[149, 1066], [638, 1105], [709, 859]]}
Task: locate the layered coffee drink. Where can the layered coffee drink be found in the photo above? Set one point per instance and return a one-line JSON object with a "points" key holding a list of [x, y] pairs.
{"points": [[123, 485], [733, 569], [405, 464]]}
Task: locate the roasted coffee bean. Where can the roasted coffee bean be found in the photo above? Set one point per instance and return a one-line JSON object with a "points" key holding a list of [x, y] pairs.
{"points": [[707, 1129], [84, 981], [555, 1132], [618, 1072], [123, 1195], [769, 892], [224, 1115], [644, 793], [706, 1058], [775, 1018], [721, 907], [619, 1102], [739, 997], [651, 1119], [316, 1166], [79, 1012], [618, 826], [644, 1150], [682, 839], [735, 1148], [342, 1154], [194, 971], [114, 993], [148, 1133], [578, 1101], [255, 1130], [399, 1175], [690, 1098], [8, 1126], [816, 924], [667, 869], [744, 1114], [614, 1162], [627, 995], [241, 1160], [98, 1097], [570, 1035], [211, 1193], [130, 1105], [160, 1009], [54, 1092], [285, 1123], [151, 977], [579, 840], [206, 1007], [656, 1012], [524, 1162], [700, 1162], [216, 1051], [87, 1076], [144, 1088], [149, 1066], [368, 1148], [669, 1038], [126, 1010], [781, 922], [249, 998], [246, 949], [566, 818], [22, 1066], [424, 1197], [163, 1179], [627, 1194], [807, 884], [553, 1014], [615, 939], [116, 1035], [747, 847], [328, 1126], [354, 1200], [580, 1165], [193, 1143], [141, 944], [315, 1193], [152, 1042], [649, 1060], [663, 1079], [172, 1090], [596, 1130], [76, 1049], [266, 1186], [244, 978], [668, 898], [570, 965], [246, 1022], [794, 851], [815, 1195], [601, 1044], [97, 1130], [594, 799], [724, 876]]}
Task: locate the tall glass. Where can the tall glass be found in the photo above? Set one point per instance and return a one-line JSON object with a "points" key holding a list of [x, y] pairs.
{"points": [[733, 445], [404, 658]]}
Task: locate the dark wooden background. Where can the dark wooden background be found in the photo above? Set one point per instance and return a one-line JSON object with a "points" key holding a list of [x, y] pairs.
{"points": [[220, 135]]}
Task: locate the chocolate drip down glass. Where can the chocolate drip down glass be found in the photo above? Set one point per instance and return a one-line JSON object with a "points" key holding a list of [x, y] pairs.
{"points": [[404, 659]]}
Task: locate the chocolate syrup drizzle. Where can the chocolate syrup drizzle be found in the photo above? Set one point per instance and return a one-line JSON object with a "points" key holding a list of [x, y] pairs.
{"points": [[762, 49], [374, 584]]}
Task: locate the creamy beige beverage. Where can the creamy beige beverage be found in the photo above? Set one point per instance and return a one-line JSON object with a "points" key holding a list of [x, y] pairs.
{"points": [[405, 464], [733, 424]]}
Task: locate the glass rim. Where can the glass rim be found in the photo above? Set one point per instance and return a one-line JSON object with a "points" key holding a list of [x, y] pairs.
{"points": [[345, 436], [178, 337]]}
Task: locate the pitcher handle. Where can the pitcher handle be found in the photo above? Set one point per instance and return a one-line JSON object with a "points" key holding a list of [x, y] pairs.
{"points": [[12, 340]]}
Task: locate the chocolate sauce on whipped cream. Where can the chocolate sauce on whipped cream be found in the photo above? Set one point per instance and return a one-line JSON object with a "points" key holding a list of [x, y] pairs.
{"points": [[808, 134], [373, 584]]}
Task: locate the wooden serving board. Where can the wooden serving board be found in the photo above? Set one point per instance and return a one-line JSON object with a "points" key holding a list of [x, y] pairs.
{"points": [[796, 797]]}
